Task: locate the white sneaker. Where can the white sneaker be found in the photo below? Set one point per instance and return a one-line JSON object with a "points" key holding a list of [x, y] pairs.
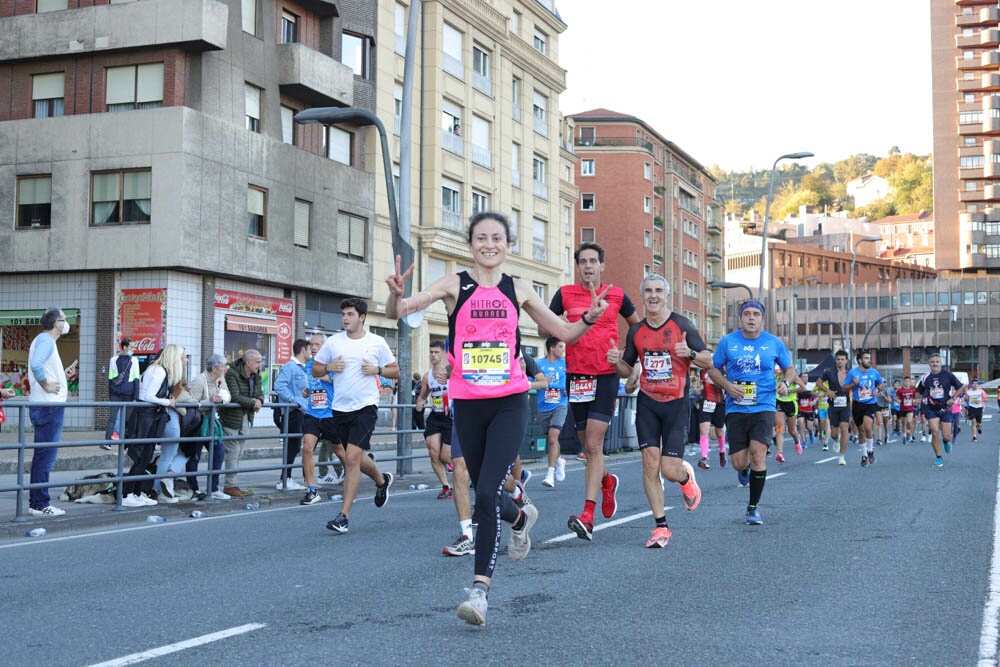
{"points": [[132, 500], [560, 469], [330, 479], [166, 500], [220, 495], [147, 500], [841, 461], [549, 481], [50, 510], [292, 486]]}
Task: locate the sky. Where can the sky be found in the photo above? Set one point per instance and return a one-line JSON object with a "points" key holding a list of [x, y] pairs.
{"points": [[736, 83]]}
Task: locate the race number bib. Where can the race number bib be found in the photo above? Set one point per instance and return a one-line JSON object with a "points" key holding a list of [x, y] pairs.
{"points": [[708, 406], [437, 403], [582, 388], [658, 366], [976, 401], [486, 363], [840, 401], [937, 393], [319, 400], [864, 392], [907, 402], [749, 393], [552, 396]]}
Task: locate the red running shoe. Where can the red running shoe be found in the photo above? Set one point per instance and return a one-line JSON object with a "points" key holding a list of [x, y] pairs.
{"points": [[609, 495]]}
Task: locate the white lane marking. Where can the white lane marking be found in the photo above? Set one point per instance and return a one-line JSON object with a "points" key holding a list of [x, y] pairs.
{"points": [[180, 646], [832, 458], [776, 474], [990, 633], [608, 524]]}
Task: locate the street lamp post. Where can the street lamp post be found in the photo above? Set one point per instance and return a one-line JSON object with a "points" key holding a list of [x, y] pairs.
{"points": [[767, 214], [850, 289], [951, 309], [400, 243], [835, 324], [722, 284], [795, 332]]}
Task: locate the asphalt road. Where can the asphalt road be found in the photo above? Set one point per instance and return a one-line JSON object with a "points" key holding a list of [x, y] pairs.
{"points": [[888, 565]]}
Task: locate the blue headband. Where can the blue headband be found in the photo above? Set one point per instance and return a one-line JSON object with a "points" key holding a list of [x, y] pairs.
{"points": [[752, 303]]}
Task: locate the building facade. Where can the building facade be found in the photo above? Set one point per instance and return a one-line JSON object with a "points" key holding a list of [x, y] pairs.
{"points": [[156, 186], [653, 208], [965, 67]]}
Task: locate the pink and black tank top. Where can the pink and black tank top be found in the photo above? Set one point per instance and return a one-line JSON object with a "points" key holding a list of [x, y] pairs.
{"points": [[484, 342]]}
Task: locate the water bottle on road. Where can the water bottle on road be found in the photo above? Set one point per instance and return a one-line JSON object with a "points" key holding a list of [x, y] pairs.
{"points": [[197, 514], [156, 518], [253, 506], [35, 532]]}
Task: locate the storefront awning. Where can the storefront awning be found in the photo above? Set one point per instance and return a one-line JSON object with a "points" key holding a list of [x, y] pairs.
{"points": [[251, 325], [34, 317]]}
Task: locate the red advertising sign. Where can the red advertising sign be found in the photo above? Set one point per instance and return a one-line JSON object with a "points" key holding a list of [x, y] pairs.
{"points": [[142, 316], [283, 310]]}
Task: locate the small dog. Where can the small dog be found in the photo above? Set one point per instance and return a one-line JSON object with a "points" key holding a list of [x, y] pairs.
{"points": [[95, 493]]}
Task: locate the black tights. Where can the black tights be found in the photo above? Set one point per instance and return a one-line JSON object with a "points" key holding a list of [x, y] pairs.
{"points": [[490, 432]]}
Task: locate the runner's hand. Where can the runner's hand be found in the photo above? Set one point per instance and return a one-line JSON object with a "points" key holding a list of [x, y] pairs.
{"points": [[614, 354], [397, 281], [597, 303]]}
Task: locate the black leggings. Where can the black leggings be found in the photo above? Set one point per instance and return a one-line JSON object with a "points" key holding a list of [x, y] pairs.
{"points": [[491, 431]]}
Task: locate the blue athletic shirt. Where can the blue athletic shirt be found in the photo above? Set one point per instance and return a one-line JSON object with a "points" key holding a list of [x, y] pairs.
{"points": [[867, 381], [750, 363], [320, 401], [555, 395]]}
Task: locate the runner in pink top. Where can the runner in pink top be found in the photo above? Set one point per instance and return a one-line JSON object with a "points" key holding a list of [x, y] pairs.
{"points": [[489, 392]]}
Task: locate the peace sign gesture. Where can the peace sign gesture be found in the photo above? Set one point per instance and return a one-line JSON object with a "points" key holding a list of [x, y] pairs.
{"points": [[597, 304], [397, 281]]}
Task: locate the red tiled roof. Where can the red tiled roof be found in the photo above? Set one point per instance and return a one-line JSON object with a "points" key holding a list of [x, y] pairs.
{"points": [[600, 113]]}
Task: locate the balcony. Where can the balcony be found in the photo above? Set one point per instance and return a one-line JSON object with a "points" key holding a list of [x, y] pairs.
{"points": [[971, 195], [540, 189], [482, 83], [713, 253], [451, 220], [541, 126], [714, 309], [454, 67], [482, 156], [313, 77], [452, 143], [628, 142], [539, 252], [714, 229], [192, 25], [990, 37], [991, 192]]}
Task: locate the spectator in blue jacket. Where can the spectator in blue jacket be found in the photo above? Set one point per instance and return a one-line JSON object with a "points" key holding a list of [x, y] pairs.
{"points": [[292, 386]]}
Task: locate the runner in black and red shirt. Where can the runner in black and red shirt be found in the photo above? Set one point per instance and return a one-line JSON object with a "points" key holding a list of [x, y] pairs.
{"points": [[711, 419], [908, 401], [664, 344], [591, 380]]}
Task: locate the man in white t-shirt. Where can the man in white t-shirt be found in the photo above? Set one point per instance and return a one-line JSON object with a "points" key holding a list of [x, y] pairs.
{"points": [[354, 359]]}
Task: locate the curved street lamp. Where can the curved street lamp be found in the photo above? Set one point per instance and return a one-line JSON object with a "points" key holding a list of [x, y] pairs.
{"points": [[767, 214], [850, 289]]}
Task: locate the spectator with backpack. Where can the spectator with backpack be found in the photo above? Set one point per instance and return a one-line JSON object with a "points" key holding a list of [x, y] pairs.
{"points": [[123, 385]]}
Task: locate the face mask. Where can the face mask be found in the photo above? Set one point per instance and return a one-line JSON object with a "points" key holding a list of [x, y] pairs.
{"points": [[128, 353], [65, 328]]}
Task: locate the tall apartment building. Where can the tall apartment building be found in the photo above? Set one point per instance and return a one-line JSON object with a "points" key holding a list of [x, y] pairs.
{"points": [[156, 187], [652, 207], [965, 36], [487, 135]]}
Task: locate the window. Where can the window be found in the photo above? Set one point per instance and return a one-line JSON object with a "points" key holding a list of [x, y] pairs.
{"points": [[300, 232], [134, 87], [539, 105], [540, 41], [481, 71], [397, 107], [288, 125], [586, 167], [400, 28], [690, 289], [47, 92], [481, 154], [451, 205], [289, 32], [647, 205], [250, 16], [256, 212], [121, 196], [539, 169], [647, 239], [587, 136], [539, 247], [567, 264], [51, 5], [515, 165], [691, 228], [515, 94], [340, 145], [351, 236], [356, 53], [566, 213], [436, 268], [539, 290], [480, 202], [252, 94], [34, 202], [451, 45], [691, 259], [515, 226], [515, 23], [588, 235], [647, 171], [587, 202]]}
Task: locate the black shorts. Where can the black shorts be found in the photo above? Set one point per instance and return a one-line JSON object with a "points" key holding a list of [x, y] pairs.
{"points": [[717, 416], [808, 416], [355, 428], [839, 415], [975, 414], [603, 405], [438, 422], [790, 408], [663, 424], [742, 427], [319, 428], [861, 410], [895, 412]]}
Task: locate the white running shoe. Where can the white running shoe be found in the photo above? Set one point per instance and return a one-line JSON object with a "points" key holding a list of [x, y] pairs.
{"points": [[841, 461], [549, 481], [560, 469], [132, 500], [221, 495], [292, 485], [330, 479]]}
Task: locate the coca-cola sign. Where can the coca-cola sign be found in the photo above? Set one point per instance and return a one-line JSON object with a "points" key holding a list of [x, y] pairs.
{"points": [[254, 303], [142, 316]]}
